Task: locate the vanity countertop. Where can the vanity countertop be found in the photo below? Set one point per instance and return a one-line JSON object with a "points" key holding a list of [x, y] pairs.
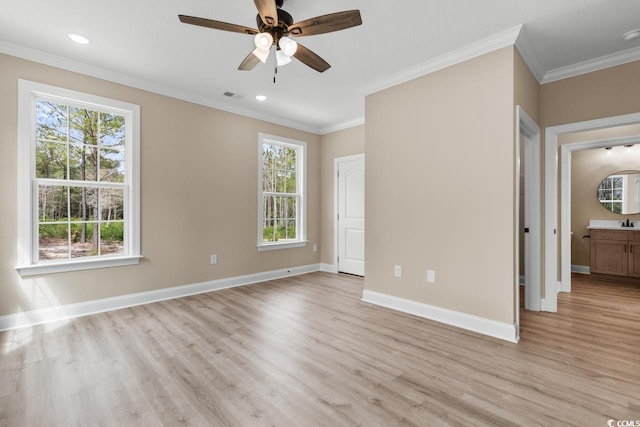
{"points": [[618, 227], [609, 224]]}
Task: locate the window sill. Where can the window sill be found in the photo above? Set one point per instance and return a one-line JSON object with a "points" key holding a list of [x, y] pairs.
{"points": [[276, 246], [76, 265]]}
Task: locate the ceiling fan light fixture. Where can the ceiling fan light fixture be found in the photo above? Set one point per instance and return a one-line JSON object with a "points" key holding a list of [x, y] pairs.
{"points": [[262, 55], [282, 58], [263, 41], [288, 46]]}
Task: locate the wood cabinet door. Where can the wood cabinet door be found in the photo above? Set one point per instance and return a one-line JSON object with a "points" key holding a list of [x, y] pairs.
{"points": [[610, 257], [634, 259]]}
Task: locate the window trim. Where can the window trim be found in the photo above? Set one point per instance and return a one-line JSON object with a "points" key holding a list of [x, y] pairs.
{"points": [[28, 265], [301, 177]]}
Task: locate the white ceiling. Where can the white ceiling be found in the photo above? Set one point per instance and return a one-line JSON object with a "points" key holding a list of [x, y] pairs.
{"points": [[142, 42]]}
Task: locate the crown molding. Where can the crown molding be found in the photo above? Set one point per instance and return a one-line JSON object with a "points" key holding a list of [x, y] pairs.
{"points": [[479, 48], [149, 86], [528, 54], [592, 65], [358, 121]]}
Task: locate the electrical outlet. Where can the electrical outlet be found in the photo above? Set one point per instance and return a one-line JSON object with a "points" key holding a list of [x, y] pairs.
{"points": [[315, 248], [214, 259], [397, 271], [431, 276]]}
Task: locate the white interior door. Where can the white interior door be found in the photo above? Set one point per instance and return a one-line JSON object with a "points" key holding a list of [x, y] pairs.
{"points": [[351, 216]]}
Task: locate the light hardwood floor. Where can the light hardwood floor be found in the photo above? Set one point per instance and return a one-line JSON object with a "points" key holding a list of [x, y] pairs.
{"points": [[305, 351]]}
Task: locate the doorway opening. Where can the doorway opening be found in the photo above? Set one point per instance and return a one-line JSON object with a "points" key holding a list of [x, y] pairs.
{"points": [[553, 283]]}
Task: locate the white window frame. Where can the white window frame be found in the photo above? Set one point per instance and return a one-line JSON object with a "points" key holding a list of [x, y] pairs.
{"points": [[28, 265], [301, 182]]}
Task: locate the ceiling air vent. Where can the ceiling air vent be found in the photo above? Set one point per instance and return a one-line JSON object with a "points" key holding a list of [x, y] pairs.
{"points": [[232, 95]]}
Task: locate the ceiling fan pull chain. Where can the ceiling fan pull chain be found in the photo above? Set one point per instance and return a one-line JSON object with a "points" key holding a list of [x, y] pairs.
{"points": [[275, 64]]}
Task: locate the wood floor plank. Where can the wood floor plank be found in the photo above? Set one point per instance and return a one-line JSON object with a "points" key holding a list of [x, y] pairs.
{"points": [[306, 350]]}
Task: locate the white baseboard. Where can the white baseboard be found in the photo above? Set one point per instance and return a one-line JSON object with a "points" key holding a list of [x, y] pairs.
{"points": [[52, 314], [503, 331], [329, 268], [581, 269]]}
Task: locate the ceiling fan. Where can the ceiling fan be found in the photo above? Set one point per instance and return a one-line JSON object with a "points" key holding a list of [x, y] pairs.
{"points": [[276, 27]]}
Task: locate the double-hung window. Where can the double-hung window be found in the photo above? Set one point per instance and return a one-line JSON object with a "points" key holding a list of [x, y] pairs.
{"points": [[281, 193], [78, 183]]}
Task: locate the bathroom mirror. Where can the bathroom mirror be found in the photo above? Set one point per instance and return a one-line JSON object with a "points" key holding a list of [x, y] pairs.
{"points": [[620, 192]]}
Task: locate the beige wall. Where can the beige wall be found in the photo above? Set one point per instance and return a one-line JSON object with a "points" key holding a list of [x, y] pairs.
{"points": [[611, 92], [199, 196], [337, 144], [588, 169], [440, 188], [526, 87]]}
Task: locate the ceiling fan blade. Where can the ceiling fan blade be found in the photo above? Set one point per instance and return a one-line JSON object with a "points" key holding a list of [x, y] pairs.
{"points": [[216, 25], [249, 62], [326, 23], [268, 11], [309, 58]]}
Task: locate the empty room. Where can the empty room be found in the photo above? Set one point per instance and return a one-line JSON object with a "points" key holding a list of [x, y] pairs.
{"points": [[337, 213]]}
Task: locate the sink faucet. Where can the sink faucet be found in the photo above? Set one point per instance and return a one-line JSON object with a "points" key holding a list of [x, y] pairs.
{"points": [[627, 224]]}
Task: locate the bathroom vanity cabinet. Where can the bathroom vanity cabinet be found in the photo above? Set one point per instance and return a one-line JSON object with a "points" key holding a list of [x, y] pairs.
{"points": [[615, 253]]}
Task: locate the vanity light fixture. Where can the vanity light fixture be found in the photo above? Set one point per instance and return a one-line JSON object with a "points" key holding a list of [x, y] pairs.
{"points": [[628, 148], [608, 149], [261, 97]]}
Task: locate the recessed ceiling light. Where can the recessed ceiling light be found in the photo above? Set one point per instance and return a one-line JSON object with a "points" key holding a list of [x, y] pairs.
{"points": [[78, 38], [631, 35], [261, 97]]}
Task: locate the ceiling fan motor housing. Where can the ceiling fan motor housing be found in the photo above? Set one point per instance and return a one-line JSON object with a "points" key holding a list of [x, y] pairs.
{"points": [[284, 21]]}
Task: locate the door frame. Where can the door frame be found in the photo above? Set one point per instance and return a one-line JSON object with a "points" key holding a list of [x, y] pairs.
{"points": [[336, 165], [553, 211], [527, 127]]}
